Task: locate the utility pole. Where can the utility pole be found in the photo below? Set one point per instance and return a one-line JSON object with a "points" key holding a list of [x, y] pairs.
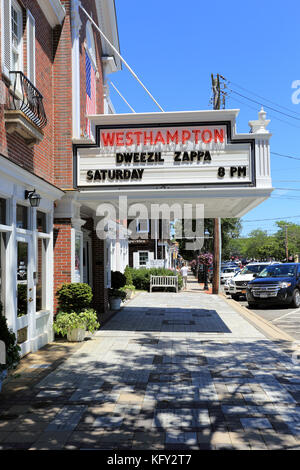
{"points": [[286, 243], [216, 88]]}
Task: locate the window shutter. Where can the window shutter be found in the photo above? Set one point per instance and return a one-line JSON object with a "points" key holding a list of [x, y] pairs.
{"points": [[30, 47], [6, 36], [136, 260]]}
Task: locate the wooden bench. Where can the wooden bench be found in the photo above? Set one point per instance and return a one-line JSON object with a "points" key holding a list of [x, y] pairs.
{"points": [[163, 281]]}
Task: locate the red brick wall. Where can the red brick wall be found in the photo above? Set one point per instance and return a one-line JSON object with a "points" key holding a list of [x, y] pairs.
{"points": [[62, 254], [39, 159]]}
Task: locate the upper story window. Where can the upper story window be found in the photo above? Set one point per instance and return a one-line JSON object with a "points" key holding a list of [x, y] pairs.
{"points": [[12, 28], [16, 36]]}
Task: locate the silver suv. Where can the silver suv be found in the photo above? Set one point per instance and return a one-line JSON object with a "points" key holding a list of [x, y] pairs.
{"points": [[238, 284]]}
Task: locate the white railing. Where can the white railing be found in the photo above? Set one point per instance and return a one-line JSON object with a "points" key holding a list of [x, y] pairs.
{"points": [[163, 281]]}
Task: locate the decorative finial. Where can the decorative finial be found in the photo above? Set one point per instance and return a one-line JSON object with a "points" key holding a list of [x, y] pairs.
{"points": [[260, 126]]}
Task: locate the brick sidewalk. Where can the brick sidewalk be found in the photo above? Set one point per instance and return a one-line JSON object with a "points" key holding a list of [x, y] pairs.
{"points": [[169, 371]]}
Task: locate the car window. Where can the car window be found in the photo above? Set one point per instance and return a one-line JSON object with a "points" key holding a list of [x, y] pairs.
{"points": [[282, 270], [254, 268]]}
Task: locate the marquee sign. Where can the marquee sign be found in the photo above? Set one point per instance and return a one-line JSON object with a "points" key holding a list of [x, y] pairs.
{"points": [[175, 154]]}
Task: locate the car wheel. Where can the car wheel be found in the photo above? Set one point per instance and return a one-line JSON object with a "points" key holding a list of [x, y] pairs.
{"points": [[235, 296], [296, 298]]}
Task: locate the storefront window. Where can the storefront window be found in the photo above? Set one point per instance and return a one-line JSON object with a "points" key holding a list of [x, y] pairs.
{"points": [[22, 217], [40, 275], [41, 222], [77, 276], [22, 268], [2, 211]]}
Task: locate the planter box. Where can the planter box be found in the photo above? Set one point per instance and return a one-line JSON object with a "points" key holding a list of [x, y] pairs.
{"points": [[115, 303], [3, 375], [76, 335]]}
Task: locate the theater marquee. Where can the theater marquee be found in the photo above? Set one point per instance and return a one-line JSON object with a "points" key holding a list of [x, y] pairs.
{"points": [[201, 153]]}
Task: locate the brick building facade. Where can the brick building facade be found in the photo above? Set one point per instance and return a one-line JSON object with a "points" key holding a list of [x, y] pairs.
{"points": [[53, 73]]}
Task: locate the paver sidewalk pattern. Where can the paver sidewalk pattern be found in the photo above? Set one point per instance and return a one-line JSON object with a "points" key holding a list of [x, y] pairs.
{"points": [[169, 371]]}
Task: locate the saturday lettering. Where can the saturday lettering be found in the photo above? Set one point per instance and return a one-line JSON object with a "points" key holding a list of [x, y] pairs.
{"points": [[102, 175]]}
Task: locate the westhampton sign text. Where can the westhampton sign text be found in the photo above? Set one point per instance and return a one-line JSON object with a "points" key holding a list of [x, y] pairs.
{"points": [[166, 155]]}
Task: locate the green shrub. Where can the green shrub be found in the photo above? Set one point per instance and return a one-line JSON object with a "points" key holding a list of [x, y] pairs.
{"points": [[128, 275], [12, 348], [118, 280], [66, 321], [74, 297], [141, 277]]}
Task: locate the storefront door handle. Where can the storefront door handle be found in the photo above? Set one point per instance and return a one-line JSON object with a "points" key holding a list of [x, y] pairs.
{"points": [[30, 299]]}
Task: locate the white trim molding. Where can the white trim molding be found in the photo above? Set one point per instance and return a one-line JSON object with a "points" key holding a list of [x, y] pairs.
{"points": [[53, 11], [107, 21]]}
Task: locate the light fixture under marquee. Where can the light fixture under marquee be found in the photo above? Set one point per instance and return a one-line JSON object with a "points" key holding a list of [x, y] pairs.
{"points": [[33, 197]]}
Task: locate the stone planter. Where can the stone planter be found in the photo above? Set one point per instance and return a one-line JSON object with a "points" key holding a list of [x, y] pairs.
{"points": [[129, 294], [115, 303], [3, 375], [76, 335]]}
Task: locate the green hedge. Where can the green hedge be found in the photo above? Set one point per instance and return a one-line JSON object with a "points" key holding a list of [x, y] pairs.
{"points": [[141, 277]]}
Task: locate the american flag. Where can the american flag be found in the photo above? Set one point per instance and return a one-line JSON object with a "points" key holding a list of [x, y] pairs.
{"points": [[90, 92]]}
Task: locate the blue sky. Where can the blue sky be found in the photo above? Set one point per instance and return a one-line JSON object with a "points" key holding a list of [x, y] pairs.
{"points": [[174, 47]]}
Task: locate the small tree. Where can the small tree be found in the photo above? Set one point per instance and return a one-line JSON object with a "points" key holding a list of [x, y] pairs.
{"points": [[128, 275]]}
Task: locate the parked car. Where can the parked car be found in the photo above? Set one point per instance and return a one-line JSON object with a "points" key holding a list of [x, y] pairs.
{"points": [[228, 273], [277, 283], [226, 286], [238, 284]]}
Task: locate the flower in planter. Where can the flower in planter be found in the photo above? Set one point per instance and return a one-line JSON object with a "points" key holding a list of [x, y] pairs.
{"points": [[206, 259]]}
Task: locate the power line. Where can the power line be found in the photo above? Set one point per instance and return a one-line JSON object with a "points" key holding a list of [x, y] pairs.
{"points": [[270, 115], [275, 218], [285, 156], [263, 104], [289, 189], [263, 98]]}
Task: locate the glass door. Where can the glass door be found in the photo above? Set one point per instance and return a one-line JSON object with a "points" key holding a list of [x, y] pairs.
{"points": [[25, 291]]}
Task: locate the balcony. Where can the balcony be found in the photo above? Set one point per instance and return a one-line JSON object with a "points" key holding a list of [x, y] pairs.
{"points": [[25, 113]]}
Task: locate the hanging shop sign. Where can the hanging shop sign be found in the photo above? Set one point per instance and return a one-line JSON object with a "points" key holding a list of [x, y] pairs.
{"points": [[175, 154]]}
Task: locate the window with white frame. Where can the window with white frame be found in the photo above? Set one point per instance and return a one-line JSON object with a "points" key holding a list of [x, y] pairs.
{"points": [[12, 39], [143, 258]]}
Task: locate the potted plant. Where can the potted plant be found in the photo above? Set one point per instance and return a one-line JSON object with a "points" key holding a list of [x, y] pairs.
{"points": [[75, 316], [115, 293], [116, 296], [10, 352], [74, 325], [129, 291]]}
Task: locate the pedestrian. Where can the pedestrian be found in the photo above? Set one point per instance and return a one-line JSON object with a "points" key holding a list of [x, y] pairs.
{"points": [[184, 274]]}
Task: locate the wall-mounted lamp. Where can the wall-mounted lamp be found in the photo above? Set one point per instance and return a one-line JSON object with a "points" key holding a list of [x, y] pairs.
{"points": [[33, 197]]}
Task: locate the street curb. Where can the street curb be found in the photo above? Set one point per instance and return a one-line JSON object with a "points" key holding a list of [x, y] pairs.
{"points": [[270, 330]]}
